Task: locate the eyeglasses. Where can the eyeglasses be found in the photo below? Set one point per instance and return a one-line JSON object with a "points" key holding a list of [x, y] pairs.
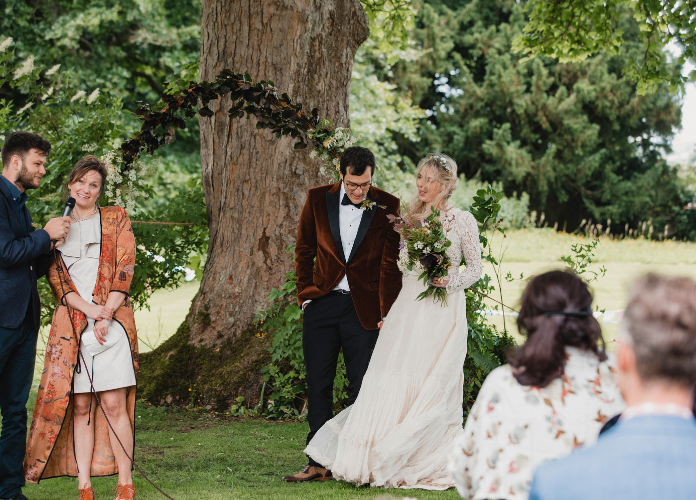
{"points": [[353, 186]]}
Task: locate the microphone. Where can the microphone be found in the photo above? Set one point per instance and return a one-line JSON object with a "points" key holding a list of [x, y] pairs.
{"points": [[69, 205]]}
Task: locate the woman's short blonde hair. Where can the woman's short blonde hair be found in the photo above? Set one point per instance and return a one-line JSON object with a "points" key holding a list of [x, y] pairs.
{"points": [[444, 171]]}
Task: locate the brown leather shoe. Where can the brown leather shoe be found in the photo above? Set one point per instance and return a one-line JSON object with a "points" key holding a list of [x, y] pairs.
{"points": [[309, 473], [85, 494], [125, 492]]}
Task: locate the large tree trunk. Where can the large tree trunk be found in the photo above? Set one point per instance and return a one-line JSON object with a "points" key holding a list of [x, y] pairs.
{"points": [[254, 184]]}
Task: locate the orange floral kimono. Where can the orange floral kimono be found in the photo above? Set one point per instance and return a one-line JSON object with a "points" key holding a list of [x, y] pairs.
{"points": [[50, 448]]}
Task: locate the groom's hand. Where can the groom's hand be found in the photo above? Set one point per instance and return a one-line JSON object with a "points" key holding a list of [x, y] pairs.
{"points": [[379, 325]]}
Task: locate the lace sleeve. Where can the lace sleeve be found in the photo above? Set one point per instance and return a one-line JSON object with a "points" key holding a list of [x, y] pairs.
{"points": [[467, 230]]}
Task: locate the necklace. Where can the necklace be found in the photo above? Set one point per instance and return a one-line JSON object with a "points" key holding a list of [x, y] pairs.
{"points": [[88, 217]]}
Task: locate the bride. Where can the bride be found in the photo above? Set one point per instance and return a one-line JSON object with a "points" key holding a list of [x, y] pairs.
{"points": [[408, 413]]}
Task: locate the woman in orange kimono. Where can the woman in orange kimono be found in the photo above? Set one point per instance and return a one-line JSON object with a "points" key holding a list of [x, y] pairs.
{"points": [[92, 348]]}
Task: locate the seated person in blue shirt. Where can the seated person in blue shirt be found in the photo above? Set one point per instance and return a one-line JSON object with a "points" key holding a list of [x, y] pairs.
{"points": [[651, 452]]}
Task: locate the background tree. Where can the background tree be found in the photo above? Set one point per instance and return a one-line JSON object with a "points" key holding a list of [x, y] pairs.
{"points": [[255, 184], [77, 123], [577, 137], [572, 30], [128, 50]]}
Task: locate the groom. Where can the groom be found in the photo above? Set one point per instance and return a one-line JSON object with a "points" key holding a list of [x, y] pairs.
{"points": [[348, 291]]}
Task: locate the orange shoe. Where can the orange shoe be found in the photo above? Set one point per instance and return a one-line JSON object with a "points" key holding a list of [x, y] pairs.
{"points": [[125, 492], [85, 494]]}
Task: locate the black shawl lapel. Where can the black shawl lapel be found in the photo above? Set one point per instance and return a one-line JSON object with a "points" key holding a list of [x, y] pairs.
{"points": [[365, 222], [332, 205]]}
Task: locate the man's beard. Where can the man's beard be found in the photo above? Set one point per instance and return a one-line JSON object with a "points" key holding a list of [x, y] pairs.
{"points": [[25, 180]]}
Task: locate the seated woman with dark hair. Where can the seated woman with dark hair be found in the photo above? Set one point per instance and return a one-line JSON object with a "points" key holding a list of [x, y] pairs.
{"points": [[554, 395]]}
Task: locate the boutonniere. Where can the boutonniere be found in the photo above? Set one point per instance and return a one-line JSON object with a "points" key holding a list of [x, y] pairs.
{"points": [[368, 204]]}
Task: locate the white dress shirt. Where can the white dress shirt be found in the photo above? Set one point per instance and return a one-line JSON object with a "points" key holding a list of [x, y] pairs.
{"points": [[349, 217]]}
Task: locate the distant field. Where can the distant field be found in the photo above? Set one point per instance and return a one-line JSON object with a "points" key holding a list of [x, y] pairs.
{"points": [[539, 245], [534, 251], [529, 251]]}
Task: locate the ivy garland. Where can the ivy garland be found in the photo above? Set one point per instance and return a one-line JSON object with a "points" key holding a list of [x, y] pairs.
{"points": [[260, 99]]}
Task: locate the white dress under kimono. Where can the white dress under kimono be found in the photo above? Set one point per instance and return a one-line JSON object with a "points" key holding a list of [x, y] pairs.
{"points": [[400, 429], [513, 428], [112, 368]]}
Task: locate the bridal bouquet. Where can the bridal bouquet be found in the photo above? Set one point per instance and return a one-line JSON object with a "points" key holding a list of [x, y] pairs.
{"points": [[423, 247]]}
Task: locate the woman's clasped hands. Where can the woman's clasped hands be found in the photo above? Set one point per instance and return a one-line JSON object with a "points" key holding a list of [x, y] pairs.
{"points": [[102, 316]]}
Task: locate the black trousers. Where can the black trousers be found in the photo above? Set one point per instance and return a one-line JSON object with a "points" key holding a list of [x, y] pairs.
{"points": [[17, 357], [331, 324]]}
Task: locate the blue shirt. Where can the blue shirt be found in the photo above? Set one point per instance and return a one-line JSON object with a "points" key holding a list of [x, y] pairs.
{"points": [[647, 457], [19, 198]]}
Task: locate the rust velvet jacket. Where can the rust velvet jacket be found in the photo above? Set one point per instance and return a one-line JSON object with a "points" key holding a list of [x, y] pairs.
{"points": [[373, 276]]}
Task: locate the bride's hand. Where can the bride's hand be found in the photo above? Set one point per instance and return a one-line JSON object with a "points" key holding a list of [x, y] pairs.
{"points": [[441, 282]]}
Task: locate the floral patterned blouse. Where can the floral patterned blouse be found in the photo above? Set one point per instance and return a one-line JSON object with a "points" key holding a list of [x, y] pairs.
{"points": [[513, 428]]}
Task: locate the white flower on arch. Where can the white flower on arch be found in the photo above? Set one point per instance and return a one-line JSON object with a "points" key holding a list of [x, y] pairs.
{"points": [[26, 106], [5, 43], [79, 96], [53, 70], [26, 68], [93, 96]]}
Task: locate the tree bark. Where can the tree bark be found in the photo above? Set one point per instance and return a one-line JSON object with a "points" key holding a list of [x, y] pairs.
{"points": [[255, 184]]}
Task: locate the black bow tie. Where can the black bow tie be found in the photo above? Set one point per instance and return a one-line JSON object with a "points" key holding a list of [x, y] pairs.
{"points": [[346, 201]]}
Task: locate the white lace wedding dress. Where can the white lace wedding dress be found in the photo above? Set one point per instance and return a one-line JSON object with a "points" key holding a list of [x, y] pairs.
{"points": [[408, 414]]}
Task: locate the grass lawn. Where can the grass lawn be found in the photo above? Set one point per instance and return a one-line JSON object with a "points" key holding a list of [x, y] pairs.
{"points": [[195, 455], [168, 309]]}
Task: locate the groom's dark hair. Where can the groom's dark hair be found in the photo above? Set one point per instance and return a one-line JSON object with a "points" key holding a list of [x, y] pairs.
{"points": [[358, 159]]}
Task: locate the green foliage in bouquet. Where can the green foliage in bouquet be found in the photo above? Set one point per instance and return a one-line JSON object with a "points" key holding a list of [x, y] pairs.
{"points": [[426, 247]]}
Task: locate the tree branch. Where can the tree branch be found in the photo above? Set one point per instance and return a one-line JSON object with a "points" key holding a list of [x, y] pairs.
{"points": [[153, 83]]}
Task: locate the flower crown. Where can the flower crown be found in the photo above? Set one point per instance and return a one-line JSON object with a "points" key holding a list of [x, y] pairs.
{"points": [[443, 162]]}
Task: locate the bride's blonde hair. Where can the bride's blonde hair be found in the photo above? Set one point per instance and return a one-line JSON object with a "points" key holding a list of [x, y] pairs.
{"points": [[444, 171]]}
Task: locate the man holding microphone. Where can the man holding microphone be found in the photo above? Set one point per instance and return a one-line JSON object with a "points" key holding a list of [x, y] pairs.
{"points": [[25, 254]]}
